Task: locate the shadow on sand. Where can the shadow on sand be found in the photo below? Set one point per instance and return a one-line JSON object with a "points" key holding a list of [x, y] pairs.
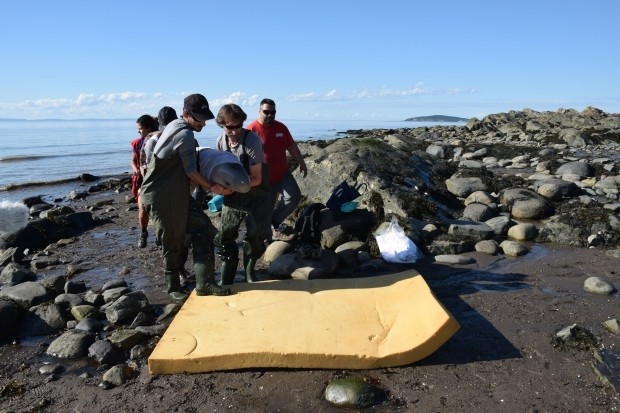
{"points": [[477, 339]]}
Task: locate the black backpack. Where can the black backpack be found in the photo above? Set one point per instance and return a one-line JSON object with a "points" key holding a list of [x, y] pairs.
{"points": [[307, 225], [344, 193]]}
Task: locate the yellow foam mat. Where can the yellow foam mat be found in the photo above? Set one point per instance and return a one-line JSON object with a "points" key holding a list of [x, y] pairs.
{"points": [[354, 323]]}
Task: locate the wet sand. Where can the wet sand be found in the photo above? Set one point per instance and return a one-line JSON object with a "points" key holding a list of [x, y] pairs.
{"points": [[502, 358]]}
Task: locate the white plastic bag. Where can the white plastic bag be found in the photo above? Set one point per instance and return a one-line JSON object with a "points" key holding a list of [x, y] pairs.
{"points": [[395, 246]]}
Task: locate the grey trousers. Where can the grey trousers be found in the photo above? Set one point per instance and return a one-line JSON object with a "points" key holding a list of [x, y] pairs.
{"points": [[289, 196]]}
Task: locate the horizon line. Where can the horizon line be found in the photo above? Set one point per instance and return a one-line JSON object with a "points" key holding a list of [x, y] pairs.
{"points": [[287, 120]]}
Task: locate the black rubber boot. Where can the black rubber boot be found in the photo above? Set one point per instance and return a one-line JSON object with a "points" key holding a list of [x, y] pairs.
{"points": [[229, 270], [173, 284], [205, 282], [186, 276], [144, 235], [248, 268]]}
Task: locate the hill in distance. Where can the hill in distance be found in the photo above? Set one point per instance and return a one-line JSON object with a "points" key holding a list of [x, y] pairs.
{"points": [[436, 118]]}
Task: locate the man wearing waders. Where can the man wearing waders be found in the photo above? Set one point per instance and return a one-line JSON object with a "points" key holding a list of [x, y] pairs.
{"points": [[166, 187]]}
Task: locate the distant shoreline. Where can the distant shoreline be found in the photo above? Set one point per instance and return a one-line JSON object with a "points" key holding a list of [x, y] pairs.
{"points": [[431, 118], [64, 120], [56, 191], [77, 179], [59, 184], [436, 118]]}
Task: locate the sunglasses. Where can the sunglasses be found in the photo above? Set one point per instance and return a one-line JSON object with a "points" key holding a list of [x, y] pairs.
{"points": [[269, 112], [233, 127]]}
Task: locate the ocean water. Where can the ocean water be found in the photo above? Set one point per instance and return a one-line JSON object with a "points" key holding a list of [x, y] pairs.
{"points": [[44, 157]]}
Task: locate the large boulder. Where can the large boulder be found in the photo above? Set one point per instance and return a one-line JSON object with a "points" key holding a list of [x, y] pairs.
{"points": [[43, 319], [339, 227], [523, 203], [15, 273], [71, 345], [9, 313], [574, 137], [293, 266], [463, 187], [26, 294], [557, 189], [40, 233], [580, 169]]}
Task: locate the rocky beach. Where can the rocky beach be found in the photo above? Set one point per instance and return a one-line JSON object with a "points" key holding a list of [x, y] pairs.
{"points": [[517, 215]]}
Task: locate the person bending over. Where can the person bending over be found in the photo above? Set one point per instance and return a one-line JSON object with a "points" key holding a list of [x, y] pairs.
{"points": [[166, 189]]}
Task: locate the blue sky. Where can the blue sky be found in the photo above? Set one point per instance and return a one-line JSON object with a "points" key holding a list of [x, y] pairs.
{"points": [[337, 59]]}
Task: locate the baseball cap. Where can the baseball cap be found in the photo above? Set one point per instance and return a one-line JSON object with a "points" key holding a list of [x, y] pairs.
{"points": [[198, 106]]}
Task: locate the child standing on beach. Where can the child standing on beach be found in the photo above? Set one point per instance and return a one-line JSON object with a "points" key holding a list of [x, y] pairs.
{"points": [[145, 124]]}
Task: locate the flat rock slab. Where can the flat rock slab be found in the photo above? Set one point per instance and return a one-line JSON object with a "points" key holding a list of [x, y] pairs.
{"points": [[354, 323]]}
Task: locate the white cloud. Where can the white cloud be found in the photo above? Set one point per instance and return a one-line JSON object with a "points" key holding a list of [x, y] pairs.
{"points": [[130, 104], [252, 100], [417, 90], [311, 96], [85, 99], [46, 103], [118, 104], [112, 98], [238, 98], [124, 96], [234, 97], [461, 91], [361, 94]]}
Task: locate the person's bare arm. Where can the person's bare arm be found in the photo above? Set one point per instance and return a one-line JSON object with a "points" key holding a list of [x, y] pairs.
{"points": [[256, 174], [221, 190], [198, 179], [135, 163], [296, 154]]}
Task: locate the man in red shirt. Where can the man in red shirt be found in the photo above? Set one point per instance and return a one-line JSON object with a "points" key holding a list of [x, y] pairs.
{"points": [[277, 140]]}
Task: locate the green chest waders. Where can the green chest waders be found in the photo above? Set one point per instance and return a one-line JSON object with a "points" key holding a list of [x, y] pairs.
{"points": [[165, 194]]}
